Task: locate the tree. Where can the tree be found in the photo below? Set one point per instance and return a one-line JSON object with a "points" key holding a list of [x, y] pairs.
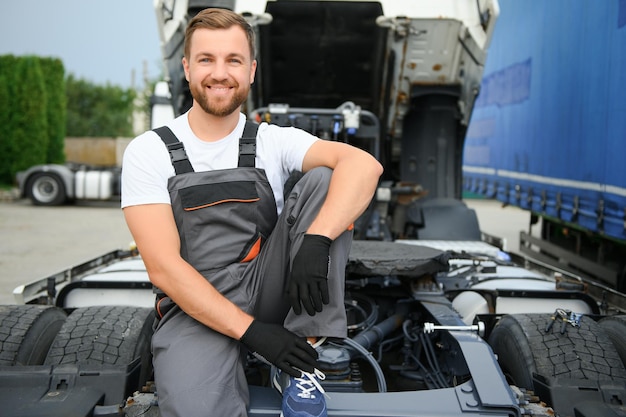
{"points": [[94, 110]]}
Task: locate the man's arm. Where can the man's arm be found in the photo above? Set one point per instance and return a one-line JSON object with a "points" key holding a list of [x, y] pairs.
{"points": [[154, 230], [352, 185]]}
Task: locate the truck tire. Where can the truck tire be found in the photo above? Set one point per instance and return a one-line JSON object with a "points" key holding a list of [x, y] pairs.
{"points": [[46, 189], [26, 333], [615, 328], [525, 348], [105, 335]]}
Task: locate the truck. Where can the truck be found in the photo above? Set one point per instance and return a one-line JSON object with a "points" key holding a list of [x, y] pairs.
{"points": [[57, 184], [548, 130], [441, 320]]}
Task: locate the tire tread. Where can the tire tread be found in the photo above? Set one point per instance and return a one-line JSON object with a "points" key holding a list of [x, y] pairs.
{"points": [[26, 333], [100, 336], [584, 352]]}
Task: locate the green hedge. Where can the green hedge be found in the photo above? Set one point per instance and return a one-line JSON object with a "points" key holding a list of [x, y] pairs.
{"points": [[7, 63], [29, 121], [32, 113], [54, 81], [40, 106]]}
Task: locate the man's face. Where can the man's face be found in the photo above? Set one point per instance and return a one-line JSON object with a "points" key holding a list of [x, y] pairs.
{"points": [[219, 69]]}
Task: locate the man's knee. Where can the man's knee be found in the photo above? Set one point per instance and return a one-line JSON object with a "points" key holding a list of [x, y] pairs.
{"points": [[314, 181], [320, 174]]}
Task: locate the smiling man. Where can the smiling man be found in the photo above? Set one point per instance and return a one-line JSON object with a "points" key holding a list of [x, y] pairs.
{"points": [[219, 77], [234, 262]]}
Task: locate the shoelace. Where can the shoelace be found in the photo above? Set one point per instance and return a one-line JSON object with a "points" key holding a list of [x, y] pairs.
{"points": [[319, 342], [307, 383]]}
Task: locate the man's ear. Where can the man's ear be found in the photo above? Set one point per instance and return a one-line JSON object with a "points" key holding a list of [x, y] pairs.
{"points": [[252, 71], [186, 68]]}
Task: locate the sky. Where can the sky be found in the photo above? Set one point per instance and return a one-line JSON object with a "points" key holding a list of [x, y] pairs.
{"points": [[104, 42]]}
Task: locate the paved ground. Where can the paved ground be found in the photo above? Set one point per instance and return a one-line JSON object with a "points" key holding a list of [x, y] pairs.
{"points": [[40, 241], [504, 222]]}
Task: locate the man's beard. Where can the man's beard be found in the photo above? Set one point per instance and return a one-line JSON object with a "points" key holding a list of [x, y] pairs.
{"points": [[219, 108]]}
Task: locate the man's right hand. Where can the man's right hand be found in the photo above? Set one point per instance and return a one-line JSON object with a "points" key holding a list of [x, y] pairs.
{"points": [[284, 349]]}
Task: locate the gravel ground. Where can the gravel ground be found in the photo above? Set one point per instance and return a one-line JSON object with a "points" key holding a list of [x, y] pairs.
{"points": [[39, 241]]}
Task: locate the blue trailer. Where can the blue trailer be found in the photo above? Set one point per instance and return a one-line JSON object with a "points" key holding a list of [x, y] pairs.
{"points": [[548, 132]]}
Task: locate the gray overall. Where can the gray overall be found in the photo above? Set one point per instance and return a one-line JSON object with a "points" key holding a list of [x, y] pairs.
{"points": [[230, 233]]}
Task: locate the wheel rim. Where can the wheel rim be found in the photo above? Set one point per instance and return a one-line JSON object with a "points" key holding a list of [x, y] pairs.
{"points": [[45, 189]]}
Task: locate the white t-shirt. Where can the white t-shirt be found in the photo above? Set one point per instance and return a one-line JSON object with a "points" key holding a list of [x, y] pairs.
{"points": [[147, 166]]}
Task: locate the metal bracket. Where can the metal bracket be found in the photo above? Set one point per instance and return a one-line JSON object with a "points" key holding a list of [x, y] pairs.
{"points": [[565, 317]]}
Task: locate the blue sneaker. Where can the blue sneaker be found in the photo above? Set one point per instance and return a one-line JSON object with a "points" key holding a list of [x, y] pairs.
{"points": [[302, 397]]}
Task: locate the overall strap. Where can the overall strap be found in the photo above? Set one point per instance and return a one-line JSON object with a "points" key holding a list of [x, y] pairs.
{"points": [[247, 145], [176, 149], [247, 148]]}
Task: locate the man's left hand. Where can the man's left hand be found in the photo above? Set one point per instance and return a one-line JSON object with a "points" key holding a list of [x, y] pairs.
{"points": [[308, 286]]}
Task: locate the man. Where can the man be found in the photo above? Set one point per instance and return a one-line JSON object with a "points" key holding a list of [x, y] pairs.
{"points": [[235, 262]]}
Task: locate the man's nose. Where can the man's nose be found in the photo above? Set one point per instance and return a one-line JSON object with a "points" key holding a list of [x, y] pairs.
{"points": [[220, 70]]}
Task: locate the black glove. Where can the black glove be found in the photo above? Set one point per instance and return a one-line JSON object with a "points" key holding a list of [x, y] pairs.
{"points": [[280, 347], [309, 275]]}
